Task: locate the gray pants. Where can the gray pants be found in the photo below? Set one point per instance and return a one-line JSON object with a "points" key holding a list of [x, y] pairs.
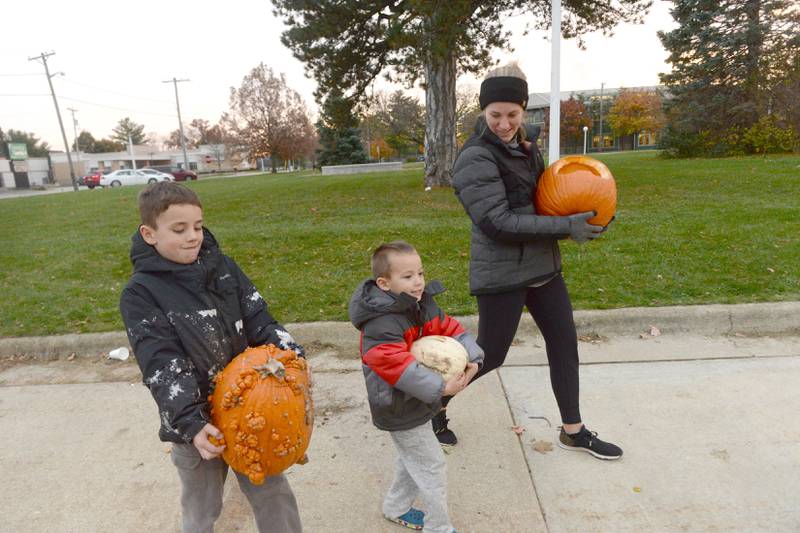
{"points": [[420, 470], [202, 482]]}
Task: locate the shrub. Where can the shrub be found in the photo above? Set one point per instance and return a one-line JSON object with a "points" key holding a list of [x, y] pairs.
{"points": [[766, 137]]}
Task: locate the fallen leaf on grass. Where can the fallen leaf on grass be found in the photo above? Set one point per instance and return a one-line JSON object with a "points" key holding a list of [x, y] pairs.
{"points": [[637, 489], [542, 446], [519, 430]]}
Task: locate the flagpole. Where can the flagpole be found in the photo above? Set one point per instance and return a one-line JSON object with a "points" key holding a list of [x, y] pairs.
{"points": [[554, 148]]}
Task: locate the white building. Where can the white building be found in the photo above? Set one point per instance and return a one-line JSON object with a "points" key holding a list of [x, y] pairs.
{"points": [[205, 159]]}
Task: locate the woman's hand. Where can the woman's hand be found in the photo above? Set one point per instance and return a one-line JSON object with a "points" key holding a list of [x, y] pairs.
{"points": [[580, 230]]}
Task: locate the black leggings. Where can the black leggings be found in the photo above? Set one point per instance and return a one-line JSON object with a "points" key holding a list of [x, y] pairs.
{"points": [[498, 318]]}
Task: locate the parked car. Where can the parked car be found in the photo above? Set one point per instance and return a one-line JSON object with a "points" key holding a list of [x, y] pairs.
{"points": [[129, 177], [179, 174], [161, 176], [92, 179], [182, 174]]}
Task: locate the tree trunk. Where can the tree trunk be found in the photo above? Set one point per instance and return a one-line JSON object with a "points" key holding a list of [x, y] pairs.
{"points": [[440, 123], [754, 40]]}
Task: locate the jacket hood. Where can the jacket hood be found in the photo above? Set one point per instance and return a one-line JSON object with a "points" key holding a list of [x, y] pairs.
{"points": [[145, 258], [370, 301]]}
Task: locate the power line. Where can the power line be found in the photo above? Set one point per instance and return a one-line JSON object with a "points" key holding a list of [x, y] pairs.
{"points": [[115, 107], [115, 92]]}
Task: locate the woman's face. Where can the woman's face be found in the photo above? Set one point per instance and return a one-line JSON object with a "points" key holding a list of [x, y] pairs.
{"points": [[504, 119]]}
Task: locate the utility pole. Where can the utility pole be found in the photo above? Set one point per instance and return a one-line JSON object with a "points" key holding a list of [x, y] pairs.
{"points": [[75, 132], [180, 122], [130, 151], [602, 139], [43, 58]]}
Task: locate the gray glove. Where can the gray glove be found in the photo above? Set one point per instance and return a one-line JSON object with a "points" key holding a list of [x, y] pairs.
{"points": [[581, 231]]}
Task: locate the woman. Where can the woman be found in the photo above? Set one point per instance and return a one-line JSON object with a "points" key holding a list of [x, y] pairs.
{"points": [[514, 256]]}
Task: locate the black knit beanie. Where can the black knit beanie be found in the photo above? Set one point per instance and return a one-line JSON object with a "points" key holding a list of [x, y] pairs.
{"points": [[504, 89]]}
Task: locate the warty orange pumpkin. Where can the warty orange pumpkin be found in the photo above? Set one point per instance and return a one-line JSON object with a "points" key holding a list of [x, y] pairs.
{"points": [[576, 184], [262, 405]]}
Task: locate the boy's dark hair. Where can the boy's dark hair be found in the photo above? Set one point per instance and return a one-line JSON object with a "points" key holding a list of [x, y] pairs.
{"points": [[157, 197], [380, 257]]}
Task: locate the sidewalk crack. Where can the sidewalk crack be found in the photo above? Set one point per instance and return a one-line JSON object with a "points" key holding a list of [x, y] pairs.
{"points": [[524, 455]]}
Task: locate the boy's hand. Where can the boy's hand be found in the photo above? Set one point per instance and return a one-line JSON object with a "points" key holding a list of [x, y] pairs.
{"points": [[472, 369], [455, 385], [207, 450]]}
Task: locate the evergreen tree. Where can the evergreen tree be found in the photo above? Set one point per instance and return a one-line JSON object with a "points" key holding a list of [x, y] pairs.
{"points": [[728, 59], [348, 43], [339, 136], [127, 126], [107, 145]]}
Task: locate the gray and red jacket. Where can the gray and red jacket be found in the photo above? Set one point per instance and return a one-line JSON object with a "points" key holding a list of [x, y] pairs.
{"points": [[402, 393]]}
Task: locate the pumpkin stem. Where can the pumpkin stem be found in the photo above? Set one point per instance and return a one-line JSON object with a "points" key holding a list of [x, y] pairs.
{"points": [[273, 367]]}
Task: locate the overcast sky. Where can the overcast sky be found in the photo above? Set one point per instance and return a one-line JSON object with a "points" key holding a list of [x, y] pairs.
{"points": [[116, 55]]}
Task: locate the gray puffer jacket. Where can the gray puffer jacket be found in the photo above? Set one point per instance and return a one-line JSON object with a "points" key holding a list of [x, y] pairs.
{"points": [[511, 245]]}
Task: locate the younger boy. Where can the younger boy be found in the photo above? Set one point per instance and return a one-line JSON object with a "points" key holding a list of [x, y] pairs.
{"points": [[392, 310], [188, 311]]}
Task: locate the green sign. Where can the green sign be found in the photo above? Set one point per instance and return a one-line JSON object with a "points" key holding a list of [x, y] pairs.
{"points": [[18, 151]]}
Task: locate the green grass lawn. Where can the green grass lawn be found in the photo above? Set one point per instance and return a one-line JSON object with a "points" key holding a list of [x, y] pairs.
{"points": [[687, 232]]}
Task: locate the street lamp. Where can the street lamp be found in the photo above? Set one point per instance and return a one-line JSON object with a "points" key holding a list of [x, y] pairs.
{"points": [[585, 129]]}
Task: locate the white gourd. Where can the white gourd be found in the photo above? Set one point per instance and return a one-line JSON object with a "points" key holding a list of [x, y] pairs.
{"points": [[441, 354]]}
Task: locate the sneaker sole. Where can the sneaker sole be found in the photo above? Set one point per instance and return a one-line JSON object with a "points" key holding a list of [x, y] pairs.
{"points": [[403, 523], [587, 450]]}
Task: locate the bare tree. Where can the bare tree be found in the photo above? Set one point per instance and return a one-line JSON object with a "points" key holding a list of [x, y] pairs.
{"points": [[266, 115]]}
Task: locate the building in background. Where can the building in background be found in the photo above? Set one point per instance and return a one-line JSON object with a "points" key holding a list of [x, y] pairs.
{"points": [[538, 112], [207, 158]]}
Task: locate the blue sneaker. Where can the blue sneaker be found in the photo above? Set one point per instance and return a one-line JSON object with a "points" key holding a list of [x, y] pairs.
{"points": [[412, 519]]}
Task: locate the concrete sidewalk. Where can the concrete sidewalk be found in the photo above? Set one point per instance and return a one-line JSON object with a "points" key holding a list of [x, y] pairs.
{"points": [[708, 424], [710, 445]]}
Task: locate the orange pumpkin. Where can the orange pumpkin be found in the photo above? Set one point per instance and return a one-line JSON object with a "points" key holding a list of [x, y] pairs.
{"points": [[262, 404], [576, 184]]}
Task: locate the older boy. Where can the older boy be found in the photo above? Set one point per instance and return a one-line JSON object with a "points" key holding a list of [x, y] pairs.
{"points": [[188, 310], [392, 310]]}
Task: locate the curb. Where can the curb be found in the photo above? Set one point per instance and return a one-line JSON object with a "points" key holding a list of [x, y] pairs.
{"points": [[756, 319]]}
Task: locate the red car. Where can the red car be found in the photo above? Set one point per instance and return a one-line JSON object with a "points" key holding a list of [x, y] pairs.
{"points": [[92, 179], [183, 174], [179, 174]]}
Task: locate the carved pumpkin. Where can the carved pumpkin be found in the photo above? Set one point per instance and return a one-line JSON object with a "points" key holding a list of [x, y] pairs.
{"points": [[441, 354], [576, 184], [262, 404]]}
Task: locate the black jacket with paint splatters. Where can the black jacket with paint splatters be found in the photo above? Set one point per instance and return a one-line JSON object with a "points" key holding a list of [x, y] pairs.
{"points": [[185, 323]]}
